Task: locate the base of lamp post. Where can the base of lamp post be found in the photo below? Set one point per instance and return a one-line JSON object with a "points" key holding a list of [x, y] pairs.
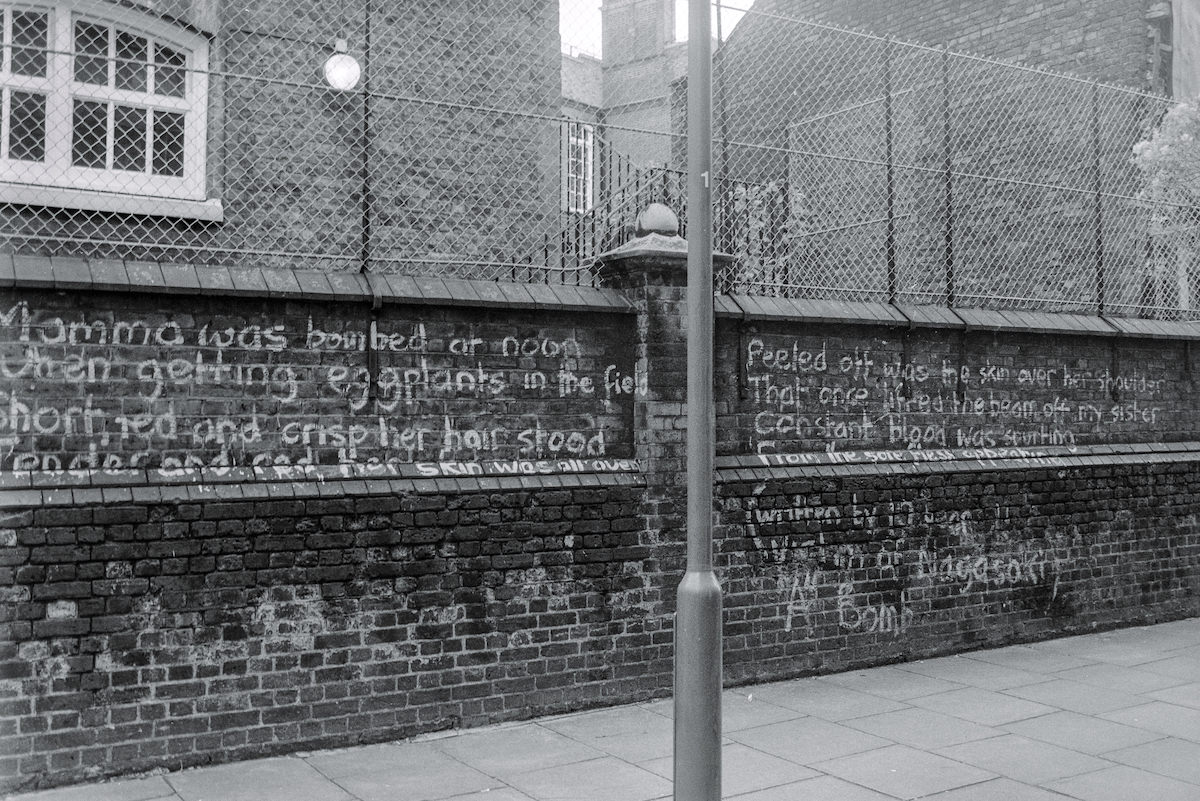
{"points": [[698, 688]]}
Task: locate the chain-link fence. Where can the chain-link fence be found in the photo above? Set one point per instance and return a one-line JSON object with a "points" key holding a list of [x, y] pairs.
{"points": [[455, 137], [914, 174], [427, 137]]}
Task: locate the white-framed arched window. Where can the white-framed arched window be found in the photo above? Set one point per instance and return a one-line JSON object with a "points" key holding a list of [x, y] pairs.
{"points": [[103, 108]]}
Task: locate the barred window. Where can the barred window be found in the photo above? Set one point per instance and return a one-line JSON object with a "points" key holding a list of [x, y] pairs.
{"points": [[101, 107], [580, 163]]}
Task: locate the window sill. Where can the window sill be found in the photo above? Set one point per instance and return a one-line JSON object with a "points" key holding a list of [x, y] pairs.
{"points": [[58, 197]]}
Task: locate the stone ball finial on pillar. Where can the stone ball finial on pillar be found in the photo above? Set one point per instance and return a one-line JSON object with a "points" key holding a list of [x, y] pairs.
{"points": [[657, 253], [657, 218]]}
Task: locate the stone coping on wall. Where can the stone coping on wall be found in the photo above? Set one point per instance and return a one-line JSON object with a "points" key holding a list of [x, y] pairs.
{"points": [[891, 462], [115, 275], [1155, 329], [31, 489], [756, 308], [25, 489]]}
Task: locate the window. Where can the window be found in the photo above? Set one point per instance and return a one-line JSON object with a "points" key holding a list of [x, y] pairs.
{"points": [[102, 108], [580, 160]]}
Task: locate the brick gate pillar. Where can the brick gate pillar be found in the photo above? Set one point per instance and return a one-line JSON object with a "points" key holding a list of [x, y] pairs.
{"points": [[651, 270]]}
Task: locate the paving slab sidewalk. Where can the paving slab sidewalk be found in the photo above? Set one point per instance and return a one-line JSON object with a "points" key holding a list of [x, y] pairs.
{"points": [[1113, 716]]}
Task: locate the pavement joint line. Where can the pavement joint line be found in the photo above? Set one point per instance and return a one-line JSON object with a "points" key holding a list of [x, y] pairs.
{"points": [[167, 778], [1147, 742], [329, 778], [502, 783], [335, 783]]}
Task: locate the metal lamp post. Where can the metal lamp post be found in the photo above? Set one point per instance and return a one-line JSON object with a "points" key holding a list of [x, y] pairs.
{"points": [[698, 616]]}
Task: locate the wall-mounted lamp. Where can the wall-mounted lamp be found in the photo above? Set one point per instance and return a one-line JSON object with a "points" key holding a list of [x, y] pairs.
{"points": [[341, 69]]}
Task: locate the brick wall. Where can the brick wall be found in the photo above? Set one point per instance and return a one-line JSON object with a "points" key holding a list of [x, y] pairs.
{"points": [[826, 570], [1102, 40], [789, 388], [113, 381], [249, 600], [169, 634], [891, 487], [127, 381]]}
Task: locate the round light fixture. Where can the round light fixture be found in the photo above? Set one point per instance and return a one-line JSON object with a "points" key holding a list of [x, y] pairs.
{"points": [[341, 69]]}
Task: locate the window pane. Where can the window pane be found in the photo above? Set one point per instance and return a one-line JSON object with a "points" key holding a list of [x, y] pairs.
{"points": [[29, 43], [129, 138], [89, 131], [91, 53], [131, 61], [27, 127], [579, 167], [168, 143], [168, 71]]}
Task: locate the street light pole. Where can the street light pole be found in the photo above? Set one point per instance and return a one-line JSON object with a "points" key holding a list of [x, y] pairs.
{"points": [[698, 615]]}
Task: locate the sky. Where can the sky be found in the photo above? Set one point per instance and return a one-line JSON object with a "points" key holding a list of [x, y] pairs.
{"points": [[579, 22]]}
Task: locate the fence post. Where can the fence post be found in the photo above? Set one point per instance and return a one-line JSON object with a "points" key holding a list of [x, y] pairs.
{"points": [[1101, 287], [564, 181], [891, 172], [367, 200], [948, 166], [593, 244], [602, 151], [723, 232]]}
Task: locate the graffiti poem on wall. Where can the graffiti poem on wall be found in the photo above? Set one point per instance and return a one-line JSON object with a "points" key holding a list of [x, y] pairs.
{"points": [[865, 585], [813, 394], [94, 391]]}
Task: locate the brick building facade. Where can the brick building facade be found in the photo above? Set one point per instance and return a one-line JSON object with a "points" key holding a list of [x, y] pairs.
{"points": [[1116, 41], [277, 167]]}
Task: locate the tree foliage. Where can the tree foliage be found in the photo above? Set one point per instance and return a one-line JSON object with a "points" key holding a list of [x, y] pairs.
{"points": [[1170, 165]]}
